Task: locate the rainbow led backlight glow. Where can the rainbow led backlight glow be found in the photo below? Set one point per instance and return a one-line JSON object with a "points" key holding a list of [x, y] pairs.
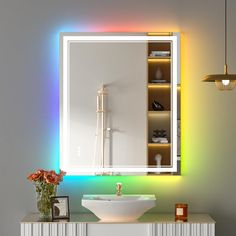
{"points": [[66, 40]]}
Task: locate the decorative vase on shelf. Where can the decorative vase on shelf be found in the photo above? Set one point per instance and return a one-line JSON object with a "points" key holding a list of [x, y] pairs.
{"points": [[158, 74], [44, 193], [46, 183]]}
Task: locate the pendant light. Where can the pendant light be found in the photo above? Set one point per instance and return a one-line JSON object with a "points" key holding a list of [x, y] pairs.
{"points": [[223, 81]]}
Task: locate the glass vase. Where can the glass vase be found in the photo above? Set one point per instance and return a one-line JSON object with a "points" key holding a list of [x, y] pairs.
{"points": [[44, 193]]}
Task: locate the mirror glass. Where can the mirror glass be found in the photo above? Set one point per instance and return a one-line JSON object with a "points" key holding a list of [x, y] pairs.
{"points": [[119, 104]]}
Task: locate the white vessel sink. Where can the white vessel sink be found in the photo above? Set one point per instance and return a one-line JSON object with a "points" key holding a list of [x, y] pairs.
{"points": [[118, 208]]}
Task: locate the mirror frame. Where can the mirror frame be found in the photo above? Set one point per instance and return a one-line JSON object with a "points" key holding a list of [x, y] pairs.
{"points": [[66, 39]]}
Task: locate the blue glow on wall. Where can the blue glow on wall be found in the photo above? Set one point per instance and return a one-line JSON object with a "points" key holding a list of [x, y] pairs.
{"points": [[55, 89]]}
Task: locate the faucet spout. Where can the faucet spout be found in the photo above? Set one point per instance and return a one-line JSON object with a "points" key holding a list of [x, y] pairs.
{"points": [[118, 189]]}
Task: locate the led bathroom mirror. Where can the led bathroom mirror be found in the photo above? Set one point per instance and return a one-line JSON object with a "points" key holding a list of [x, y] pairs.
{"points": [[120, 103]]}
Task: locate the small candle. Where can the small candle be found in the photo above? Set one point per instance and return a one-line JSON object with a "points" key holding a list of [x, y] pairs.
{"points": [[181, 212]]}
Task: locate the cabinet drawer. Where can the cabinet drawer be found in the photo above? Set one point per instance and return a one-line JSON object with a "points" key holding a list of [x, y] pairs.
{"points": [[118, 229]]}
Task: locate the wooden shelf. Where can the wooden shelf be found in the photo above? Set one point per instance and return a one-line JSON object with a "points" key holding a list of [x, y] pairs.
{"points": [[159, 144], [156, 113], [161, 173], [158, 59], [159, 85]]}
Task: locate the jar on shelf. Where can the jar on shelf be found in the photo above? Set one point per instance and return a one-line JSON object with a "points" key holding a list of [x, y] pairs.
{"points": [[181, 212]]}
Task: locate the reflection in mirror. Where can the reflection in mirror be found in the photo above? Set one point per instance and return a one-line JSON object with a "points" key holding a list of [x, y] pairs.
{"points": [[119, 104]]}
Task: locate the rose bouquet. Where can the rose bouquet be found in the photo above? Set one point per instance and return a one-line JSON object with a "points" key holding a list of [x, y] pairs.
{"points": [[46, 183]]}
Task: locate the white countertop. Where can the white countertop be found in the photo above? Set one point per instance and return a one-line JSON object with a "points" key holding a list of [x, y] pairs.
{"points": [[146, 218]]}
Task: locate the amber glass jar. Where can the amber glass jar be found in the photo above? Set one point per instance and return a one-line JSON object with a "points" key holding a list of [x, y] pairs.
{"points": [[181, 212]]}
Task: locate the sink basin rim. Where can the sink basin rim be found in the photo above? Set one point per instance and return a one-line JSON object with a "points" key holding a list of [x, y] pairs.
{"points": [[114, 198]]}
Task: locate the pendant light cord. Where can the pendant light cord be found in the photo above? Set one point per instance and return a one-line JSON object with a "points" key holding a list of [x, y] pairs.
{"points": [[225, 32]]}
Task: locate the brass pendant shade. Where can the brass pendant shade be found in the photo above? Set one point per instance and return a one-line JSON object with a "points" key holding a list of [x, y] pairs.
{"points": [[223, 82]]}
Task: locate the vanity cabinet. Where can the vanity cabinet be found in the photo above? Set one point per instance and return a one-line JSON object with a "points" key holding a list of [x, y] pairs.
{"points": [[147, 225]]}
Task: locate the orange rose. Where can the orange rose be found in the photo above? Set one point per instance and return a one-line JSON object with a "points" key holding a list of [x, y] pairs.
{"points": [[50, 177], [47, 177], [36, 176]]}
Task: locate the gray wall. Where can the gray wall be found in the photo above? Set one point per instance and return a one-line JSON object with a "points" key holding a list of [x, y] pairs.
{"points": [[29, 102]]}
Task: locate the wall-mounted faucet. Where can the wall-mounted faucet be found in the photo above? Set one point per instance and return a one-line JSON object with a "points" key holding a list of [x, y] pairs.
{"points": [[118, 189]]}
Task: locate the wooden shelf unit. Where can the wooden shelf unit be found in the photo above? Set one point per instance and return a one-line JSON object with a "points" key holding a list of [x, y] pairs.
{"points": [[160, 92]]}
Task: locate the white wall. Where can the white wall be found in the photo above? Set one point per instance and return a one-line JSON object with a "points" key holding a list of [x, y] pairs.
{"points": [[28, 102]]}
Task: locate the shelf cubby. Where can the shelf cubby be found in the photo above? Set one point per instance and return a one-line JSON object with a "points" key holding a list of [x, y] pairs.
{"points": [[163, 149], [165, 69], [160, 94], [159, 46]]}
